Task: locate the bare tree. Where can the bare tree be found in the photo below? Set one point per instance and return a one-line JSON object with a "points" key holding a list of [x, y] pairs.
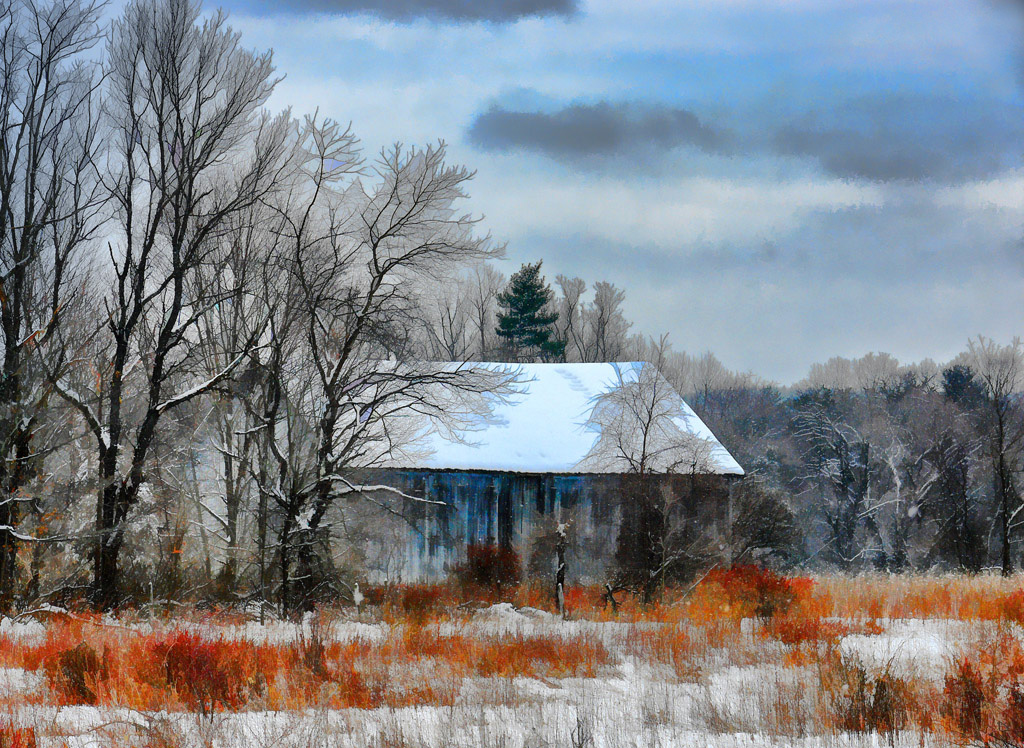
{"points": [[642, 433], [607, 327], [341, 387], [228, 425], [1001, 371], [48, 212], [592, 331], [487, 283], [459, 311], [447, 320], [570, 324], [190, 147]]}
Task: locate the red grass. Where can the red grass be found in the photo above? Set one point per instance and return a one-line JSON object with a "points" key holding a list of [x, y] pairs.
{"points": [[76, 673], [88, 661], [964, 701], [982, 697], [747, 592], [670, 645], [206, 675], [181, 670], [797, 631], [541, 656], [16, 737], [881, 703]]}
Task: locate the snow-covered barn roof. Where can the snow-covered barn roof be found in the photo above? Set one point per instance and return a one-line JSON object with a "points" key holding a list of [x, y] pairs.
{"points": [[549, 426]]}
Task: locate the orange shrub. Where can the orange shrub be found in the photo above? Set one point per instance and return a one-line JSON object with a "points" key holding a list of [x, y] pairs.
{"points": [[418, 642], [669, 645], [1012, 731], [208, 675], [863, 701], [797, 631], [1013, 607], [17, 737], [172, 670], [354, 691], [549, 656], [417, 603], [982, 698], [748, 591], [964, 701], [76, 673]]}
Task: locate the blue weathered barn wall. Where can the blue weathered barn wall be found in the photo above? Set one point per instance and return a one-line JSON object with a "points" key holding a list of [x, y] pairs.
{"points": [[511, 509]]}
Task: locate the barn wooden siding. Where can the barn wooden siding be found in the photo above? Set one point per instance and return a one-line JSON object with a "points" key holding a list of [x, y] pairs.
{"points": [[510, 509]]}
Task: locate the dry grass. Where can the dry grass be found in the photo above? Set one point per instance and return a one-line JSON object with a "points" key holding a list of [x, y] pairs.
{"points": [[985, 597], [178, 670], [16, 737], [786, 633]]}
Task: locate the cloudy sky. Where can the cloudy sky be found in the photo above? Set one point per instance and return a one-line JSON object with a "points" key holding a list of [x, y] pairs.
{"points": [[777, 181]]}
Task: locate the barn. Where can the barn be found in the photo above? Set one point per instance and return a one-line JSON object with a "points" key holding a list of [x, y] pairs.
{"points": [[560, 450]]}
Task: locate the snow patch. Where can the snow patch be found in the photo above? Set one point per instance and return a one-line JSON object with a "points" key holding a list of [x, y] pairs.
{"points": [[18, 681], [911, 647], [22, 629]]}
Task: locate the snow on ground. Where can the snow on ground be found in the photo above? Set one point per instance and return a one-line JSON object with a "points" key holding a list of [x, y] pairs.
{"points": [[602, 713], [22, 629], [630, 703], [282, 632], [504, 620], [14, 681], [747, 698], [914, 647]]}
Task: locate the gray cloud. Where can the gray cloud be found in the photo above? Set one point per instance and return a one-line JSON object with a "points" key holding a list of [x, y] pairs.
{"points": [[892, 156], [594, 131], [458, 11], [908, 138]]}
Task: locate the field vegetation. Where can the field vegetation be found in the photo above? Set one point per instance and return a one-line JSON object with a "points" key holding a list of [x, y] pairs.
{"points": [[744, 657]]}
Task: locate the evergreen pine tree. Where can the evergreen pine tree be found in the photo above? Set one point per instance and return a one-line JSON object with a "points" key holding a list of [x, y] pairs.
{"points": [[526, 319]]}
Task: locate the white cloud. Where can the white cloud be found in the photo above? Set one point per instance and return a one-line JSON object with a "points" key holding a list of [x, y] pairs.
{"points": [[1004, 193], [669, 213]]}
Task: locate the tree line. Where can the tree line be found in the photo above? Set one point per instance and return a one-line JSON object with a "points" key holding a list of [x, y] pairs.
{"points": [[212, 314]]}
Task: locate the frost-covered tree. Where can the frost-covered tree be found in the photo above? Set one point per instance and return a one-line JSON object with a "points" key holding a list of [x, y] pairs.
{"points": [[341, 386], [595, 330], [189, 147], [639, 435], [49, 205], [569, 327], [486, 283], [606, 325]]}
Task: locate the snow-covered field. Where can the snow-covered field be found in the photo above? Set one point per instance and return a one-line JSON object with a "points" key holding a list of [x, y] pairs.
{"points": [[667, 680]]}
